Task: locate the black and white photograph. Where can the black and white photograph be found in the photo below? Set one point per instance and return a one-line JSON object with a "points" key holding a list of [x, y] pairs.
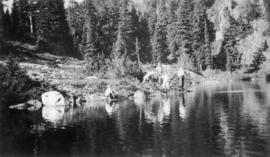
{"points": [[134, 78]]}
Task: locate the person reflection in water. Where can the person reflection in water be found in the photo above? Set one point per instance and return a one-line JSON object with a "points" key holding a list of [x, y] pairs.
{"points": [[166, 109], [158, 110], [111, 107], [182, 108]]}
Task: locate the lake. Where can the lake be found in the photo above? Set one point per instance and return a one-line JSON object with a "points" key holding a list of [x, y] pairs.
{"points": [[215, 119]]}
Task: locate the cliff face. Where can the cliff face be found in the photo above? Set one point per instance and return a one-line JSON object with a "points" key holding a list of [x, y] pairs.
{"points": [[255, 13]]}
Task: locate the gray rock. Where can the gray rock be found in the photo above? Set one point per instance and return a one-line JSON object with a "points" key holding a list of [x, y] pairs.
{"points": [[31, 105]]}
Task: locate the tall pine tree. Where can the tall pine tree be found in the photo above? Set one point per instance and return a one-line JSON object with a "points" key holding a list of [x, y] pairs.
{"points": [[23, 20], [14, 20], [183, 37], [7, 24], [198, 32], [90, 40], [231, 38], [160, 47], [90, 30], [152, 20], [171, 29], [202, 35], [1, 25], [124, 43], [208, 58], [53, 27]]}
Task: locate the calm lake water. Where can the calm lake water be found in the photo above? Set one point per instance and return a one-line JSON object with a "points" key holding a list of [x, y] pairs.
{"points": [[215, 119]]}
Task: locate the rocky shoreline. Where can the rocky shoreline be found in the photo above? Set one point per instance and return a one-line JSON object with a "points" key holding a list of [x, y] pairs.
{"points": [[67, 76]]}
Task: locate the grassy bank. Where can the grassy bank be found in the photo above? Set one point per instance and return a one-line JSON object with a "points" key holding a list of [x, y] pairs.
{"points": [[68, 76]]}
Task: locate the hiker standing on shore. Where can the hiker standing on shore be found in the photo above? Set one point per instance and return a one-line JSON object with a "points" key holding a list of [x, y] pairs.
{"points": [[181, 75]]}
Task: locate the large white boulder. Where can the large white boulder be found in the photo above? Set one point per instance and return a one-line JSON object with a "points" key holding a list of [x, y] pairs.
{"points": [[52, 99]]}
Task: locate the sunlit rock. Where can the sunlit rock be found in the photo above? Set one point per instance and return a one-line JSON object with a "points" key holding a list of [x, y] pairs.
{"points": [[52, 98]]}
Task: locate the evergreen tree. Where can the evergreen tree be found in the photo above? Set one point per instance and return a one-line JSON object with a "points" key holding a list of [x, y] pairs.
{"points": [[14, 20], [160, 47], [1, 25], [231, 38], [90, 30], [108, 20], [171, 29], [124, 46], [120, 45], [258, 59], [144, 38], [152, 20], [207, 46], [125, 42], [53, 27], [183, 37], [7, 24], [199, 18], [90, 44], [152, 17], [23, 20], [202, 36]]}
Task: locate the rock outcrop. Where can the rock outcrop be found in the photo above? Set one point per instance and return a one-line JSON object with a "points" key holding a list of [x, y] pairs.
{"points": [[256, 14]]}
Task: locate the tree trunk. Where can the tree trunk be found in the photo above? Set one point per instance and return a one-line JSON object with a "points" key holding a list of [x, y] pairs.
{"points": [[138, 48], [139, 61], [31, 23]]}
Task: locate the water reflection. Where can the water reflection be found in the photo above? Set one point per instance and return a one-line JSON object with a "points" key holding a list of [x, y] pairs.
{"points": [[111, 107], [53, 114], [230, 119]]}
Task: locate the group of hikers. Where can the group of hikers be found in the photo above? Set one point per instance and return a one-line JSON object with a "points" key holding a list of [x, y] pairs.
{"points": [[162, 76]]}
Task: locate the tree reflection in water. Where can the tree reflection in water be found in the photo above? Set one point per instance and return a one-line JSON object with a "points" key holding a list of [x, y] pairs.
{"points": [[230, 119]]}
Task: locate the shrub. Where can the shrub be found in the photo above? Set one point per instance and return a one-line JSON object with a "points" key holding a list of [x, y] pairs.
{"points": [[258, 59], [15, 82], [95, 64]]}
